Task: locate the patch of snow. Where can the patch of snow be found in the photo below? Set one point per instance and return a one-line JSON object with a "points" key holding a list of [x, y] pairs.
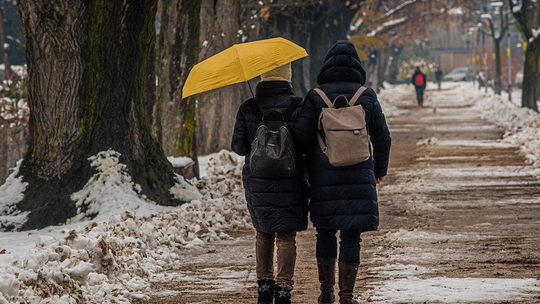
{"points": [[387, 24], [399, 7], [179, 162], [184, 191], [486, 16], [536, 32], [354, 27], [454, 290], [113, 261], [11, 193], [110, 191], [456, 11]]}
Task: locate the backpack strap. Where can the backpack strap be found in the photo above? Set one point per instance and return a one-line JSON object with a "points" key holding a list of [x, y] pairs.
{"points": [[357, 95], [324, 97], [255, 108], [288, 114], [353, 100]]}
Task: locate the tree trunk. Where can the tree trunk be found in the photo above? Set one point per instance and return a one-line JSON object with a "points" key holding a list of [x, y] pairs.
{"points": [[382, 67], [87, 71], [4, 46], [178, 51], [393, 69], [333, 21], [531, 77], [216, 110]]}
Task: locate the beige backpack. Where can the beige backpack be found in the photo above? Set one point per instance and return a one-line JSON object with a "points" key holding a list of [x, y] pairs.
{"points": [[347, 140]]}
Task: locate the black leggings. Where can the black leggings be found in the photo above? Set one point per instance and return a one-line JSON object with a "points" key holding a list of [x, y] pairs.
{"points": [[349, 245], [420, 95]]}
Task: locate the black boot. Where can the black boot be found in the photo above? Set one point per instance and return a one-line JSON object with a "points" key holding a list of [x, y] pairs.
{"points": [[327, 278], [266, 291], [347, 279], [282, 296]]}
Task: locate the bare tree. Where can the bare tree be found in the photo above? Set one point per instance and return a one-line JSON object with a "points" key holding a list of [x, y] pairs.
{"points": [[4, 46], [216, 110], [178, 52], [527, 17], [382, 25], [497, 34]]}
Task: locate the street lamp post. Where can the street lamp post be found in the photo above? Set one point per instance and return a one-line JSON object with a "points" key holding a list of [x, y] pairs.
{"points": [[485, 67], [509, 59]]}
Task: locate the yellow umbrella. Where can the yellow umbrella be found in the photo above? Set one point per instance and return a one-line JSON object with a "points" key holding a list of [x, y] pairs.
{"points": [[239, 63]]}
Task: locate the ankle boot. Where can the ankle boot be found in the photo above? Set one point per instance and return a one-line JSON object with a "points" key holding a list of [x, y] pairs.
{"points": [[347, 279], [266, 291], [327, 278], [282, 296]]}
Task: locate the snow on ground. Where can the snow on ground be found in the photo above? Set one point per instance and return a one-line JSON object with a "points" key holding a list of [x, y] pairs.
{"points": [[110, 191], [453, 290], [113, 260], [12, 193]]}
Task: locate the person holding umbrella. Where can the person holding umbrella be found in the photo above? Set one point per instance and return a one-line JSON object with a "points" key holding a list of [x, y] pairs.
{"points": [[273, 177], [278, 206], [343, 194]]}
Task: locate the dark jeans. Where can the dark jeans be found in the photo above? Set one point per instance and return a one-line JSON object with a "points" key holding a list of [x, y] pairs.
{"points": [[349, 245], [420, 95]]}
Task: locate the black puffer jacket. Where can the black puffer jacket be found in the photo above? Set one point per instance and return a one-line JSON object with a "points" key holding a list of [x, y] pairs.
{"points": [[275, 205], [343, 198]]}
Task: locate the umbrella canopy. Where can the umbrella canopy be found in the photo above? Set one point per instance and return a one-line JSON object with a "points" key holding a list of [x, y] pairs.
{"points": [[239, 63]]}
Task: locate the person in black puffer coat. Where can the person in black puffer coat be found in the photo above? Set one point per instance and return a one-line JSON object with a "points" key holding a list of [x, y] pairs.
{"points": [[278, 207], [342, 198]]}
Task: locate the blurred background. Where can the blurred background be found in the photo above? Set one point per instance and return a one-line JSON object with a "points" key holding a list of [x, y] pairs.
{"points": [[469, 40]]}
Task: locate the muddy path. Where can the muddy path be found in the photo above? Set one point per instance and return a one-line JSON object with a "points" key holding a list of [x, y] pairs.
{"points": [[458, 204]]}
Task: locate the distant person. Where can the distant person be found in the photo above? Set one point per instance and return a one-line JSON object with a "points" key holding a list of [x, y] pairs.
{"points": [[277, 205], [481, 80], [343, 195], [439, 77], [419, 81]]}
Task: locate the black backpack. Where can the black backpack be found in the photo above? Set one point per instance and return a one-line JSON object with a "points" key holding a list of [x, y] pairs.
{"points": [[272, 151]]}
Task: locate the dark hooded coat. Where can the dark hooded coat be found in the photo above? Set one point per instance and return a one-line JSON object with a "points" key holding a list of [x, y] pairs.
{"points": [[419, 72], [275, 205], [343, 198]]}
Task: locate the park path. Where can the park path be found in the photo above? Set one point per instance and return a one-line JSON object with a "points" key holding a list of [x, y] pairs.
{"points": [[458, 206]]}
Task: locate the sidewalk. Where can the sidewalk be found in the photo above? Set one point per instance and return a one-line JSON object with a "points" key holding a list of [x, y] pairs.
{"points": [[460, 212], [460, 215]]}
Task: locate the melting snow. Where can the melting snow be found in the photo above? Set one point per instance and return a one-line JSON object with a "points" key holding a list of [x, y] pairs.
{"points": [[113, 261]]}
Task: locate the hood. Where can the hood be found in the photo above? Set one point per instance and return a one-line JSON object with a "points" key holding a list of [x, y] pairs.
{"points": [[342, 64]]}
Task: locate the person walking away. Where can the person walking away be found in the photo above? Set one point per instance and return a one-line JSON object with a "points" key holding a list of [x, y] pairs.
{"points": [[277, 205], [419, 81], [439, 77], [342, 197]]}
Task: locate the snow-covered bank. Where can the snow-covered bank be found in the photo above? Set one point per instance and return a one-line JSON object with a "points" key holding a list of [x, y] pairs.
{"points": [[522, 125], [113, 261], [12, 193]]}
